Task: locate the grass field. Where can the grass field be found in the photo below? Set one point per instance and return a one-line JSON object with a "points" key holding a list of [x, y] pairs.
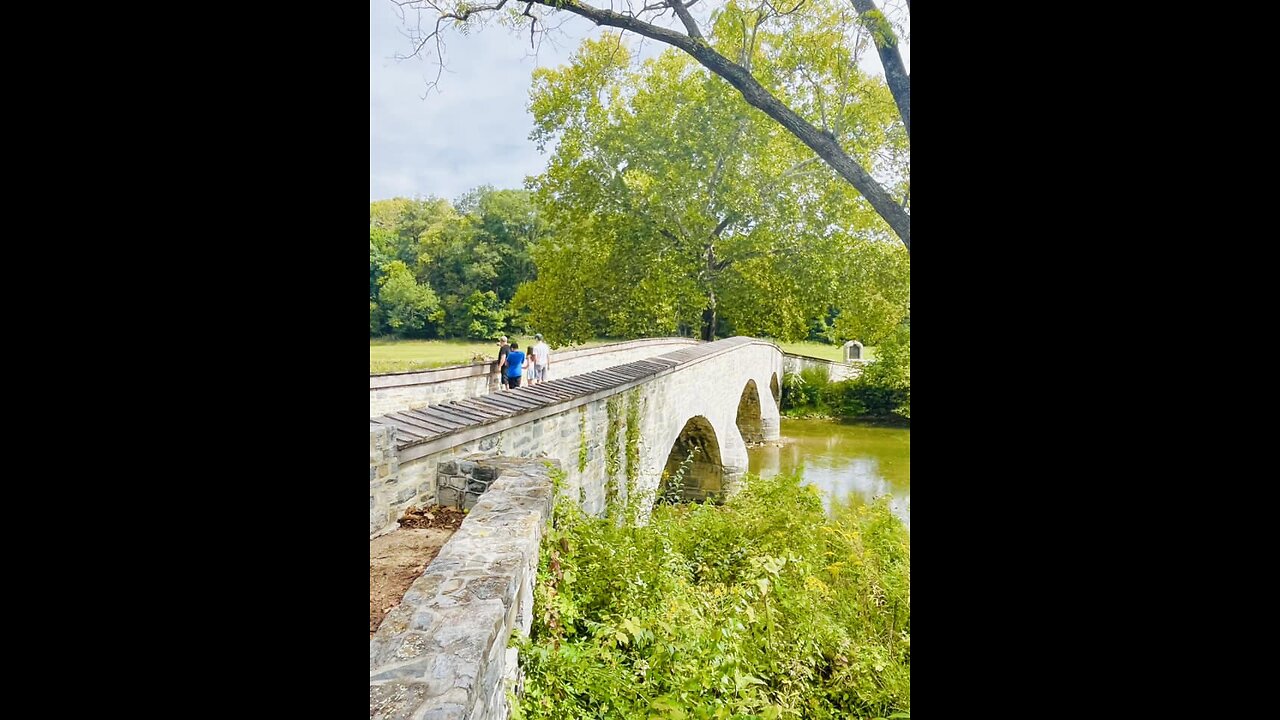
{"points": [[820, 350], [401, 355]]}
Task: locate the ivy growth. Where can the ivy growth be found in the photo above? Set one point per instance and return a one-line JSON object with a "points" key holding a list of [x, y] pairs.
{"points": [[582, 439], [612, 451], [633, 440]]}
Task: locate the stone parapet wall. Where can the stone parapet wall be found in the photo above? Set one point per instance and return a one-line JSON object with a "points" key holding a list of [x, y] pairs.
{"points": [[387, 494], [837, 371], [394, 392], [443, 652]]}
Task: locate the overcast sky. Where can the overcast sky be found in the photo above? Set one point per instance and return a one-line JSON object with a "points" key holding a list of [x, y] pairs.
{"points": [[474, 130]]}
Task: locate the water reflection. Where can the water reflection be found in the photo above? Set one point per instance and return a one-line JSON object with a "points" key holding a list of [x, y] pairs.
{"points": [[854, 462]]}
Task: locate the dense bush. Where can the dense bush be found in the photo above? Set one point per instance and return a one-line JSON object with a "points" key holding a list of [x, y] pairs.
{"points": [[805, 389], [883, 389], [764, 607]]}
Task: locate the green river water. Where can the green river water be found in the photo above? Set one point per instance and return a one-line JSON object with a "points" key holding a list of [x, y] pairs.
{"points": [[857, 462]]}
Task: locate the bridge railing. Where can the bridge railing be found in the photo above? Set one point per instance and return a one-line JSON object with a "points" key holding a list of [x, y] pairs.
{"points": [[392, 392]]}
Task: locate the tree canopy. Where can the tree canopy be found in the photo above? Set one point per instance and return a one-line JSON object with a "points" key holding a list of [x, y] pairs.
{"points": [[676, 207], [449, 270], [815, 45]]}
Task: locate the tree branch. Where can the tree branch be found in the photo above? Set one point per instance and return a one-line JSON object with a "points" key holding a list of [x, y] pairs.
{"points": [[895, 73], [757, 96], [682, 10], [532, 24]]}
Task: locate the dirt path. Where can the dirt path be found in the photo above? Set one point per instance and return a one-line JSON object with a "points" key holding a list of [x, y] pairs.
{"points": [[397, 559]]}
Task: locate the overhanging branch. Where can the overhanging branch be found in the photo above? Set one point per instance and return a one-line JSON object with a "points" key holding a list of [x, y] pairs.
{"points": [[895, 72], [685, 17]]}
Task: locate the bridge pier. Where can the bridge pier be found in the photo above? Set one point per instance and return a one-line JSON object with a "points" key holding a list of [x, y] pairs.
{"points": [[772, 427]]}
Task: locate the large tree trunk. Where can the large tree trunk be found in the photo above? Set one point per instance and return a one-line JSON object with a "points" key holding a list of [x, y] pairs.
{"points": [[709, 273], [754, 93], [895, 73]]}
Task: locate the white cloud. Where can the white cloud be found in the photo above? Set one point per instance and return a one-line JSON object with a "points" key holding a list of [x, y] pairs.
{"points": [[473, 130]]}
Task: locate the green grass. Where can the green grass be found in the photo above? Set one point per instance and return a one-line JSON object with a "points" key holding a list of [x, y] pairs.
{"points": [[821, 350], [401, 355], [393, 355]]}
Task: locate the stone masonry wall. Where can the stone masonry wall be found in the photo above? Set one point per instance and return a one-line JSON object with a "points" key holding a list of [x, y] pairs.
{"points": [[442, 653], [836, 371], [576, 438], [579, 437], [460, 483], [385, 489], [394, 392]]}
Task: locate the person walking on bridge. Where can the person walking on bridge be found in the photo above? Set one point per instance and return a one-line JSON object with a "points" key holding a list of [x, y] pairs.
{"points": [[503, 349], [541, 359], [516, 363]]}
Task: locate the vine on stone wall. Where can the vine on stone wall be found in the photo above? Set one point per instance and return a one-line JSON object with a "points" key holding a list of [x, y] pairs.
{"points": [[582, 439], [633, 440], [612, 450]]}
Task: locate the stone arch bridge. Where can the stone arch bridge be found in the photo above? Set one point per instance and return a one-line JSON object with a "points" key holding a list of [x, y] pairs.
{"points": [[616, 431]]}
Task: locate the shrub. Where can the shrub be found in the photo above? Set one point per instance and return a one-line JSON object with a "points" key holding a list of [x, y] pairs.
{"points": [[764, 607]]}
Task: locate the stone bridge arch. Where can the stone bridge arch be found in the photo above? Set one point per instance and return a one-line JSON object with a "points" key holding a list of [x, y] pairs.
{"points": [[695, 462], [750, 420]]}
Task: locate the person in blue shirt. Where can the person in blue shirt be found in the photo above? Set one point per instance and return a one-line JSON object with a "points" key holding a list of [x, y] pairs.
{"points": [[515, 366]]}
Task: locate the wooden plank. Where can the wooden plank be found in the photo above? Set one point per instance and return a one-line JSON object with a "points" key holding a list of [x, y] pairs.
{"points": [[436, 412], [527, 403], [504, 402], [473, 415], [430, 415], [487, 408], [582, 381], [428, 421], [426, 429], [527, 395], [552, 384], [597, 380], [405, 429], [615, 376], [494, 403], [579, 388], [544, 392]]}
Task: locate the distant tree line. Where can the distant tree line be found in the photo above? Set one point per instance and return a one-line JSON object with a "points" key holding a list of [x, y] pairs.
{"points": [[439, 269], [666, 208]]}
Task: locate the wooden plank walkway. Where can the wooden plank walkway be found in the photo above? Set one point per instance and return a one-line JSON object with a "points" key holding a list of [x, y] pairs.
{"points": [[414, 427]]}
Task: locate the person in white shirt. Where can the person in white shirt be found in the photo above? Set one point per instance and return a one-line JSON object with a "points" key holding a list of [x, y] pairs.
{"points": [[540, 354]]}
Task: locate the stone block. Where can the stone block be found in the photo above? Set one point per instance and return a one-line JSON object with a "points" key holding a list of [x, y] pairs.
{"points": [[476, 487], [449, 497], [395, 700], [466, 467], [448, 468], [488, 474], [469, 500]]}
